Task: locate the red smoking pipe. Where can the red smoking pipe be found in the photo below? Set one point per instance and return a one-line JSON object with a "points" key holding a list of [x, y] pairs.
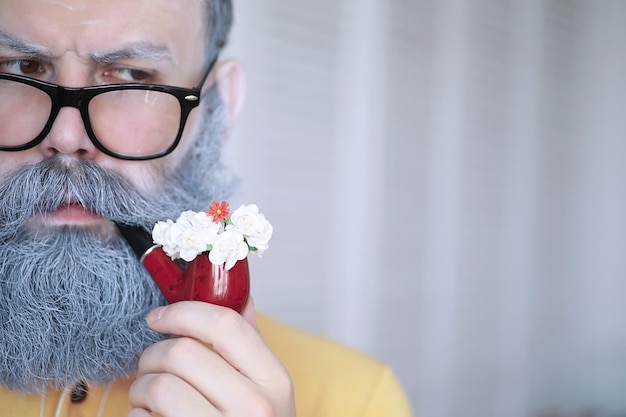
{"points": [[200, 280]]}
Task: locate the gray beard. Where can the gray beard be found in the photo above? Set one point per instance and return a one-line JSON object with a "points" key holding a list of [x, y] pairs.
{"points": [[72, 302]]}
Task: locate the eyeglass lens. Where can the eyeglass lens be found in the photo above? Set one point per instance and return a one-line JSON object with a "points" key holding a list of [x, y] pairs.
{"points": [[135, 122], [24, 111]]}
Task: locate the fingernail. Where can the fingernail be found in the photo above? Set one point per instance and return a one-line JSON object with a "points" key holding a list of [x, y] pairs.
{"points": [[155, 315]]}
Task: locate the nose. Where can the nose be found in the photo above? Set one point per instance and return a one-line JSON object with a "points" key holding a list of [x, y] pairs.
{"points": [[68, 136]]}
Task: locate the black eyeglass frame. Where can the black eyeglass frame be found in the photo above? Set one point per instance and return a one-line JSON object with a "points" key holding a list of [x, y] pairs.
{"points": [[79, 98]]}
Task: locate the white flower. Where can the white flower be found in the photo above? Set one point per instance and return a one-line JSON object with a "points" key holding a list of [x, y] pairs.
{"points": [[190, 235], [253, 225], [193, 233], [161, 235], [228, 248]]}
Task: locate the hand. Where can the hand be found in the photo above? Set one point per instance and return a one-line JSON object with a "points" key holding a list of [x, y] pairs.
{"points": [[238, 376]]}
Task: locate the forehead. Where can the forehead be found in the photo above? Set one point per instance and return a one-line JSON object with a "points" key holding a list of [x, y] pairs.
{"points": [[87, 26]]}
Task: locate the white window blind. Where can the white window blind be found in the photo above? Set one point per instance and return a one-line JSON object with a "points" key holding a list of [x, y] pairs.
{"points": [[445, 181]]}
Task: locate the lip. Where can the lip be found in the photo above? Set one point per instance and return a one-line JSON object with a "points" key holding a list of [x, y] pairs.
{"points": [[72, 214]]}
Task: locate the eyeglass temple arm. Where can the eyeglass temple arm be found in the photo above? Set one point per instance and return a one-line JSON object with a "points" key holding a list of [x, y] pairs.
{"points": [[208, 71]]}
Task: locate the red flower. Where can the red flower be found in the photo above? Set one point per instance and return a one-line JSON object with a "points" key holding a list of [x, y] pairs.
{"points": [[219, 211]]}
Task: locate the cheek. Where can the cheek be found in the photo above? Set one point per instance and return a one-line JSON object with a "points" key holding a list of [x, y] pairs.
{"points": [[10, 161], [146, 176], [162, 168], [149, 176], [7, 166]]}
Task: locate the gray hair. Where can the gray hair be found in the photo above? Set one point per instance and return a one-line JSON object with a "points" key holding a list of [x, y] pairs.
{"points": [[220, 20]]}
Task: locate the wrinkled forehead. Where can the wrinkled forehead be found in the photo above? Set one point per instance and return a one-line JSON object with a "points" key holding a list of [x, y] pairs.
{"points": [[84, 27]]}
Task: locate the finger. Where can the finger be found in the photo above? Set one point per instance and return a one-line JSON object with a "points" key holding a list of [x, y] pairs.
{"points": [[200, 368], [232, 337], [168, 396]]}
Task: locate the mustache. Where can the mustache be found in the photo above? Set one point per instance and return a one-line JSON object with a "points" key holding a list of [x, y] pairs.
{"points": [[47, 185]]}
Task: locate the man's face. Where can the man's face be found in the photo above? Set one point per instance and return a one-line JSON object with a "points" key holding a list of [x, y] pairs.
{"points": [[146, 41]]}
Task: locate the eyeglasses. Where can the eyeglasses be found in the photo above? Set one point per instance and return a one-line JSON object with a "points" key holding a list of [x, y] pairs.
{"points": [[125, 121]]}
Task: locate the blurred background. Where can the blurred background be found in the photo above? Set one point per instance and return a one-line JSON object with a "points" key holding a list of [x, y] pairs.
{"points": [[446, 179]]}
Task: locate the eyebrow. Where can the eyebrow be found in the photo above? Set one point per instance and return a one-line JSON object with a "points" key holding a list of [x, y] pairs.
{"points": [[20, 45], [138, 50]]}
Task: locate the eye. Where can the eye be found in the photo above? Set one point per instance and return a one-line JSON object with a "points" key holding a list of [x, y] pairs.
{"points": [[138, 75], [128, 74], [22, 67]]}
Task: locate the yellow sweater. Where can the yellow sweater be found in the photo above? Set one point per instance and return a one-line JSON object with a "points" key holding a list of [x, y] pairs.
{"points": [[329, 380]]}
